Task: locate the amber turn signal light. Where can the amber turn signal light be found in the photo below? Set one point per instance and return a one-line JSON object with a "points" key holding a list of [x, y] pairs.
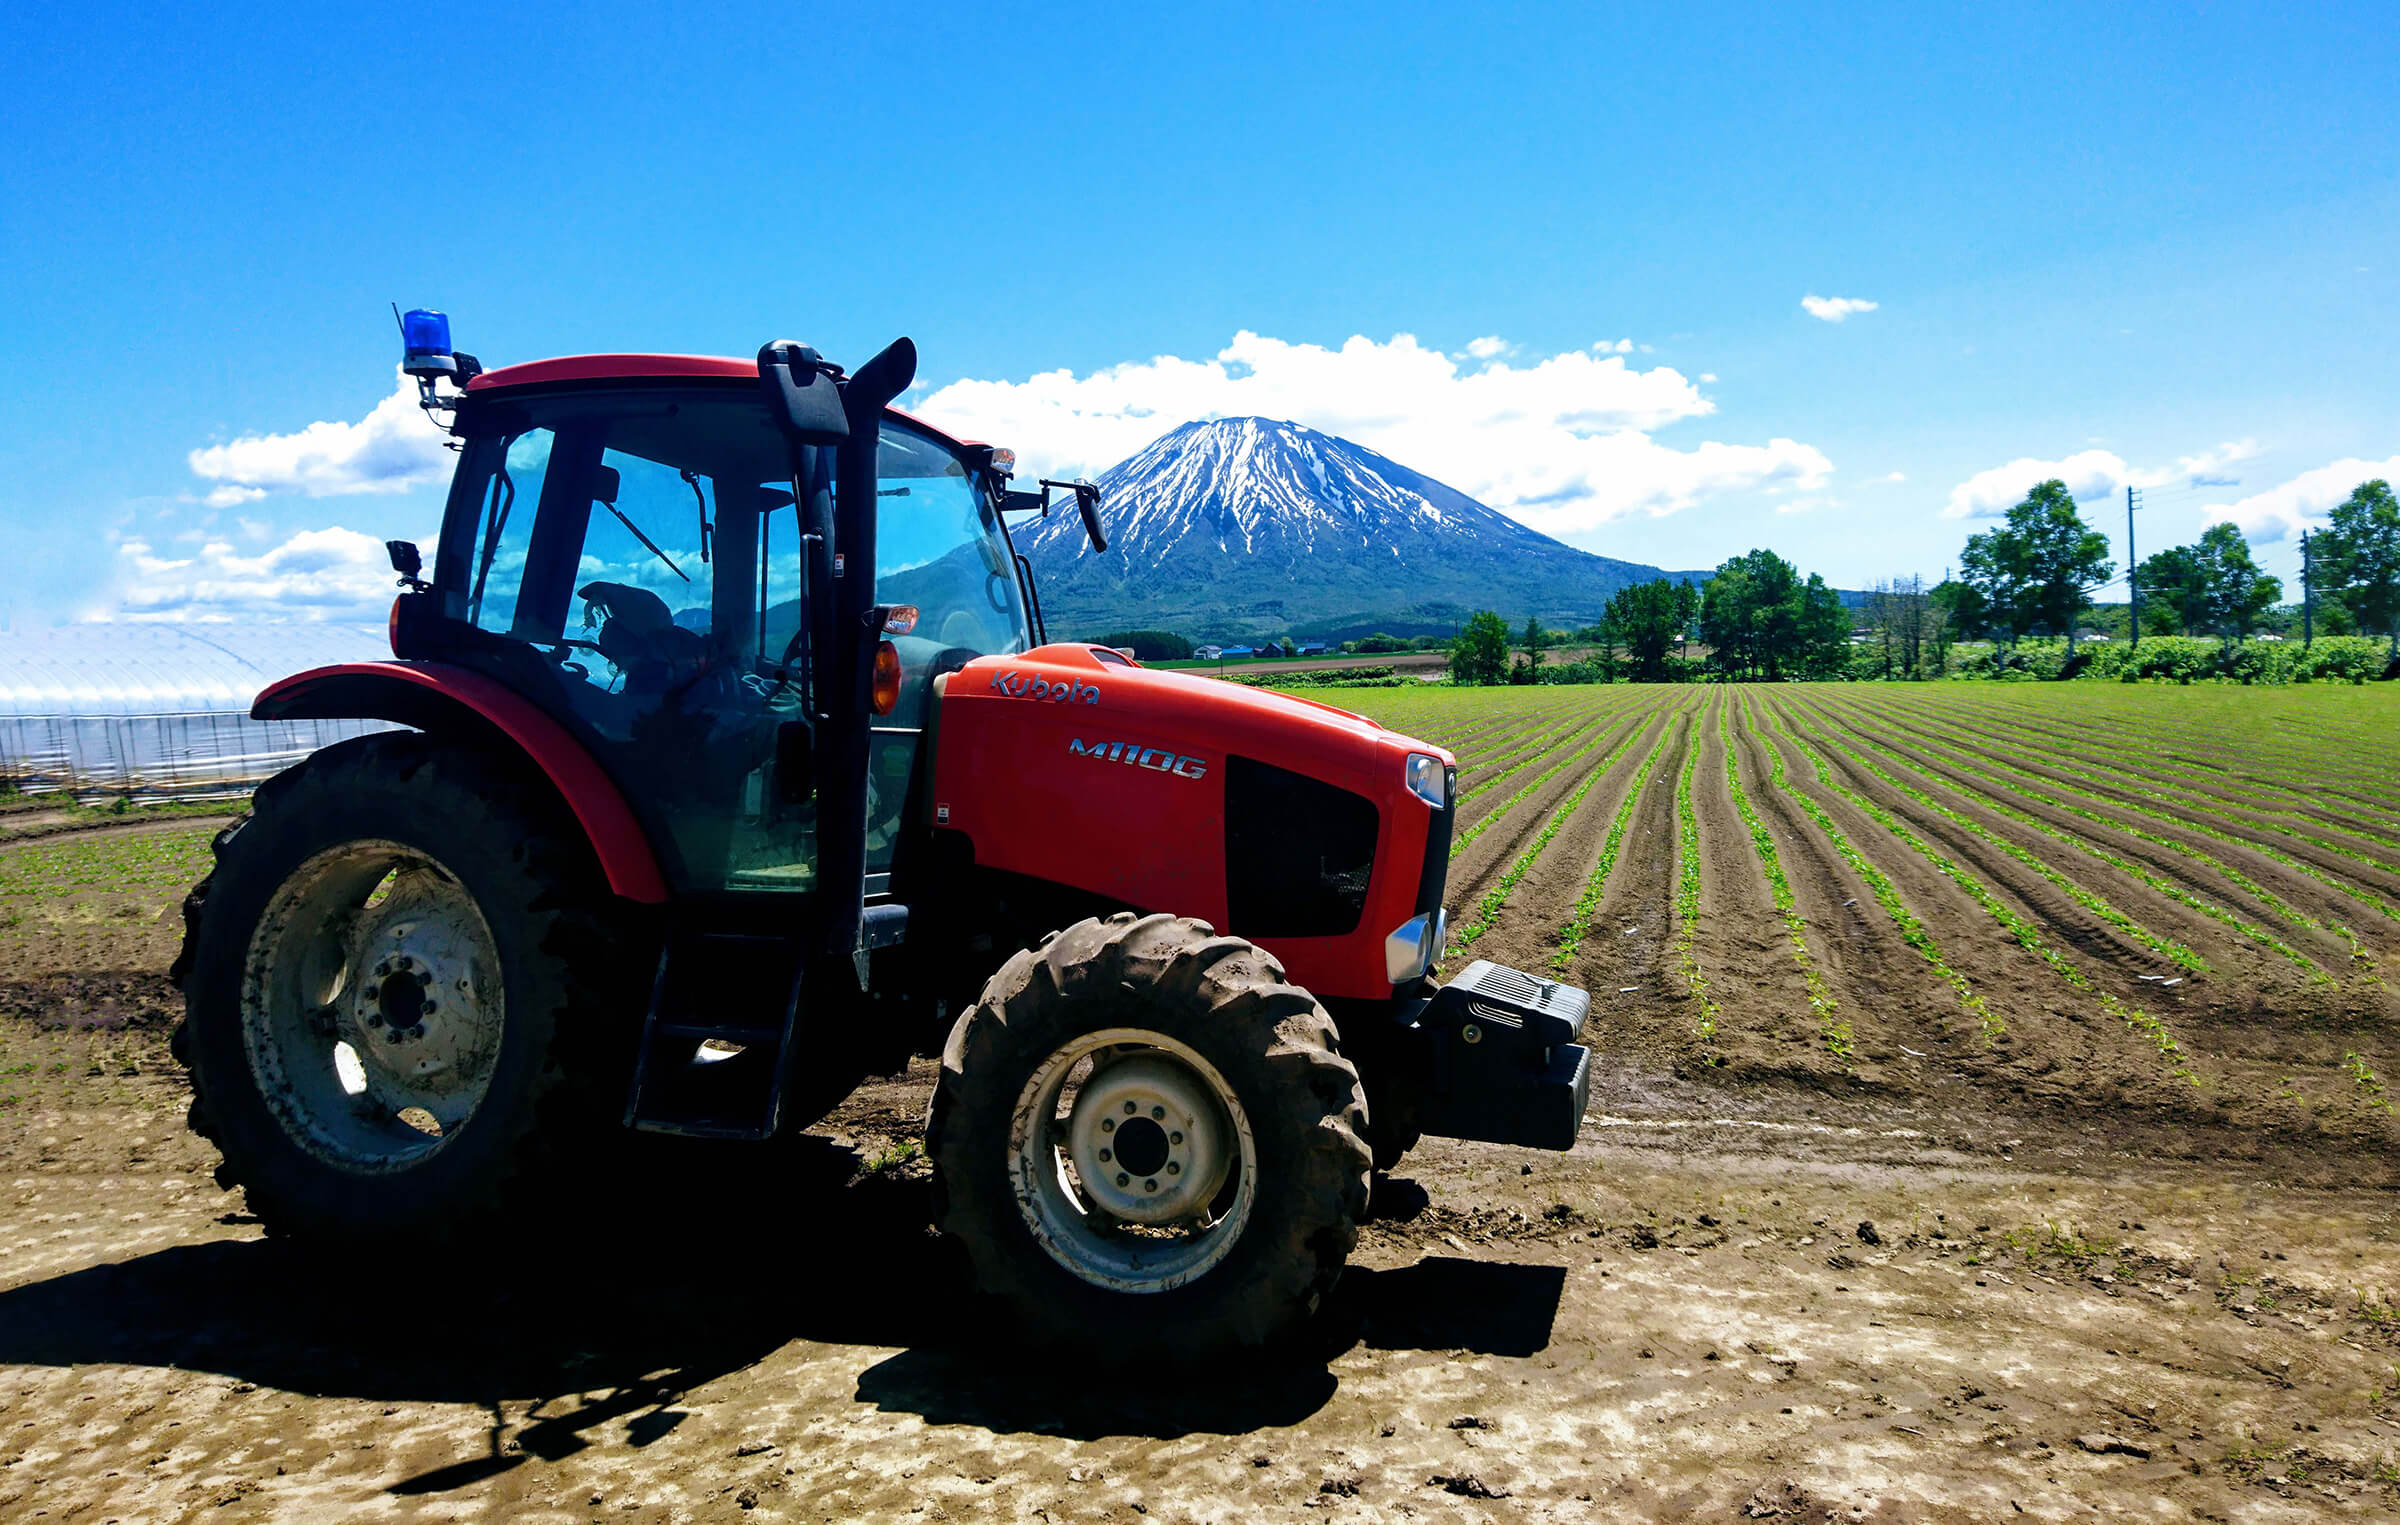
{"points": [[887, 677]]}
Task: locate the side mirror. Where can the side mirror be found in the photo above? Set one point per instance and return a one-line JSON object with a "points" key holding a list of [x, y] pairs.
{"points": [[802, 393], [1087, 503]]}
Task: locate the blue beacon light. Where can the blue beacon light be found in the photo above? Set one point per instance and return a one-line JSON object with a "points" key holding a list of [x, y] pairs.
{"points": [[425, 344]]}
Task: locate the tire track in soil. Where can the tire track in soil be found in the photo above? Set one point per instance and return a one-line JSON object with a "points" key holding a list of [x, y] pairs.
{"points": [[1892, 999], [1652, 1020], [2300, 888], [1545, 898], [2051, 1049], [2352, 1000]]}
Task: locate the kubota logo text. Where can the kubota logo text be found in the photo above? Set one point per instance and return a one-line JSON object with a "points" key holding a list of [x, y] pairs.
{"points": [[1063, 691], [1134, 754]]}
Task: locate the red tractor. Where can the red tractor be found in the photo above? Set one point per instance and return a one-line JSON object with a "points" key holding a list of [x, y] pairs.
{"points": [[737, 769]]}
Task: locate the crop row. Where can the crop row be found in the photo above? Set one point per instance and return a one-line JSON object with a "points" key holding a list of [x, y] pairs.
{"points": [[2026, 934], [1832, 1029], [1595, 885]]}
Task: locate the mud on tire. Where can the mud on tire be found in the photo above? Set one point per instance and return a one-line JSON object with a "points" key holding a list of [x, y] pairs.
{"points": [[1219, 1001], [553, 1075]]}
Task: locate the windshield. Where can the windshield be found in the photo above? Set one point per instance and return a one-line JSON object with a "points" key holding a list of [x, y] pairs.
{"points": [[938, 546]]}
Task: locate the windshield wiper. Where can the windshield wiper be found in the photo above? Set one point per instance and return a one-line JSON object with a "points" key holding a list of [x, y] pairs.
{"points": [[644, 539]]}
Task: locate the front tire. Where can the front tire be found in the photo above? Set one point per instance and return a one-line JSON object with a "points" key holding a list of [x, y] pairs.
{"points": [[393, 985], [1148, 1142]]}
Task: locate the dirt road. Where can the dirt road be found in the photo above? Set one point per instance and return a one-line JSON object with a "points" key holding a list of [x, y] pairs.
{"points": [[2060, 1309], [1682, 1319]]}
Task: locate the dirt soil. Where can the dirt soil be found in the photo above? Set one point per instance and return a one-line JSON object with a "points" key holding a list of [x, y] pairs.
{"points": [[1750, 1292]]}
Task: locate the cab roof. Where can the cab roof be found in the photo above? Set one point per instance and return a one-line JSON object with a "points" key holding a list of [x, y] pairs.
{"points": [[568, 368]]}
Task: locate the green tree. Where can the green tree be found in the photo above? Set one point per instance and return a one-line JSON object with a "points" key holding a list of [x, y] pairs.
{"points": [[2358, 559], [1765, 622], [2234, 592], [2064, 559], [1533, 640], [1479, 653], [2174, 592], [1995, 600], [1646, 619], [1687, 614]]}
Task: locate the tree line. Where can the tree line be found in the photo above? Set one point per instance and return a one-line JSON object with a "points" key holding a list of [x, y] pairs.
{"points": [[1756, 618]]}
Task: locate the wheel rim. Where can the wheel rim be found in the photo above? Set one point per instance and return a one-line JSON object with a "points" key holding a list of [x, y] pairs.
{"points": [[372, 1006], [1159, 1195]]}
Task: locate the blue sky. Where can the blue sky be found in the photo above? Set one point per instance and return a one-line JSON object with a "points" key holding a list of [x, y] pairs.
{"points": [[2152, 246]]}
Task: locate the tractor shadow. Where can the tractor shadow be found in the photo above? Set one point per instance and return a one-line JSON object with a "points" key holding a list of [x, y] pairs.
{"points": [[604, 1320]]}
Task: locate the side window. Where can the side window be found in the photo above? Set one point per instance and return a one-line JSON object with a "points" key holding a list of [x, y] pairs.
{"points": [[510, 499]]}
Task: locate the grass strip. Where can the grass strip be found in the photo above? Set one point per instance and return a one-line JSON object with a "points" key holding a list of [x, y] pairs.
{"points": [[2026, 935], [1587, 904], [2262, 936], [1832, 1028], [1687, 890], [2175, 952], [1879, 884], [1488, 908]]}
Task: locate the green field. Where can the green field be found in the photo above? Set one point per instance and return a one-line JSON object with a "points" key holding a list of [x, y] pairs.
{"points": [[2173, 900]]}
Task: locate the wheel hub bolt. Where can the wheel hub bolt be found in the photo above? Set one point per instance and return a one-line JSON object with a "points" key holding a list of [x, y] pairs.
{"points": [[1149, 1186], [1132, 1107], [1123, 1178], [374, 1019], [1173, 1169], [417, 1030], [1104, 1154], [1159, 1112], [1174, 1138], [1108, 1125]]}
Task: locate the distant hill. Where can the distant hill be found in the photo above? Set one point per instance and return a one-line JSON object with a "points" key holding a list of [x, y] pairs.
{"points": [[1247, 526]]}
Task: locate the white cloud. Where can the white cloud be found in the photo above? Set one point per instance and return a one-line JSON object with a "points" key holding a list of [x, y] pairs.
{"points": [[1835, 309], [1893, 476], [1805, 505], [318, 574], [1563, 444], [2207, 469], [394, 448], [2304, 502], [1991, 494], [1487, 347], [2088, 474]]}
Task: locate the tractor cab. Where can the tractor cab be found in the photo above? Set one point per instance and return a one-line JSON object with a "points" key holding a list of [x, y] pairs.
{"points": [[636, 544]]}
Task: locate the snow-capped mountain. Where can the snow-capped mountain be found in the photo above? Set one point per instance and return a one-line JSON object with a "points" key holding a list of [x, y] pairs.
{"points": [[1241, 526]]}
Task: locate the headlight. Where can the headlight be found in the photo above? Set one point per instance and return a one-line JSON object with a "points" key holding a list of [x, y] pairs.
{"points": [[1428, 780], [1415, 945]]}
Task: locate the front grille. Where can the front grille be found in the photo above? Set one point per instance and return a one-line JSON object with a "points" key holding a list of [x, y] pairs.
{"points": [[1298, 853]]}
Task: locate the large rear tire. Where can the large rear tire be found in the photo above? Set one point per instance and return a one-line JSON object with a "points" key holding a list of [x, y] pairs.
{"points": [[1148, 1143], [402, 1000]]}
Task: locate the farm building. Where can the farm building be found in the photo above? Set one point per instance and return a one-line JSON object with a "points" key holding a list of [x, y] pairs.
{"points": [[160, 711]]}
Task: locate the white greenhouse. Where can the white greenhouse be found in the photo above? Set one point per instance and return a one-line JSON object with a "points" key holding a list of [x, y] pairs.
{"points": [[157, 712]]}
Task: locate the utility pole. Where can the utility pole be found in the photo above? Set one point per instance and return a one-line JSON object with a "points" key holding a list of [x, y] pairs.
{"points": [[2308, 597], [2133, 576]]}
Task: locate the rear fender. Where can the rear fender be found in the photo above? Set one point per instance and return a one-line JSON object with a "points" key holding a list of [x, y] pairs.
{"points": [[438, 696]]}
